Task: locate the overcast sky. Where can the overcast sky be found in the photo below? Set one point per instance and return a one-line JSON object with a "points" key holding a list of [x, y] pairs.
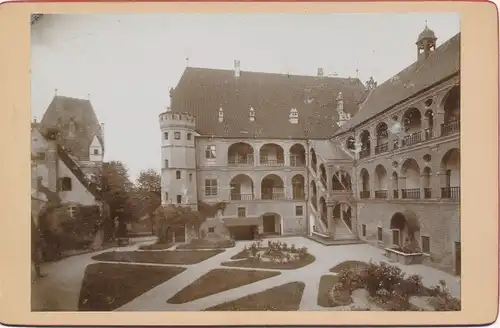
{"points": [[127, 63]]}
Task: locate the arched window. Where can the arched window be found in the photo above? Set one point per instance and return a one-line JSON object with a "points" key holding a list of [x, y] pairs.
{"points": [[72, 129]]}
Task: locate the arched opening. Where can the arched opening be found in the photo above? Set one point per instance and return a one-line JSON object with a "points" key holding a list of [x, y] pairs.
{"points": [[451, 107], [271, 223], [364, 138], [272, 155], [71, 129], [395, 185], [240, 153], [242, 187], [411, 172], [450, 174], [298, 187], [429, 122], [365, 184], [322, 171], [405, 228], [341, 181], [381, 182], [350, 143], [426, 182], [342, 213], [314, 160], [314, 195], [412, 123], [297, 155], [382, 134], [272, 187], [323, 211]]}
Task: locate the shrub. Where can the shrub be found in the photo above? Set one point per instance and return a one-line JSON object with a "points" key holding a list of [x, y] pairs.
{"points": [[443, 301], [338, 296], [350, 280]]}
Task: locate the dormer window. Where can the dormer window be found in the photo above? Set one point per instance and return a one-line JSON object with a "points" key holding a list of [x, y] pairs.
{"points": [[96, 151], [251, 114], [221, 114], [293, 117]]}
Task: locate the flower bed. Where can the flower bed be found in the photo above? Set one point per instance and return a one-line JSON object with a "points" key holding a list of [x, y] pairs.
{"points": [[276, 255], [388, 289], [397, 255], [156, 247]]}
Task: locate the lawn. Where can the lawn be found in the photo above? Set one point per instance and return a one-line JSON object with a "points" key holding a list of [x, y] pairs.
{"points": [[156, 247], [107, 286], [346, 265], [258, 264], [163, 257], [325, 285], [286, 297], [219, 280]]}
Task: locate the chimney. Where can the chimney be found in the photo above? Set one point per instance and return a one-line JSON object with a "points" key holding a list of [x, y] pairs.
{"points": [[320, 71], [102, 134], [237, 68]]}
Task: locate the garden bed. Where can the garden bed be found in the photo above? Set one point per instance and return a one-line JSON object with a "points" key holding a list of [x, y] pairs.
{"points": [[275, 255], [286, 297], [108, 286], [347, 265], [163, 257], [156, 247], [383, 287], [401, 257], [326, 284], [207, 244], [219, 280]]}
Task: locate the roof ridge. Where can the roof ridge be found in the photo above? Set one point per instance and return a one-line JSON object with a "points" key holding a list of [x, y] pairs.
{"points": [[274, 73]]}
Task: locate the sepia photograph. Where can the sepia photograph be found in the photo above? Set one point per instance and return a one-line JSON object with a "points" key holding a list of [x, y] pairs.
{"points": [[245, 162]]}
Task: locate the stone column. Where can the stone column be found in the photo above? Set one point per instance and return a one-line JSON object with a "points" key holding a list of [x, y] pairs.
{"points": [[354, 221], [401, 185], [438, 121], [287, 159], [390, 189], [422, 185], [438, 181], [329, 180], [425, 126], [331, 225]]}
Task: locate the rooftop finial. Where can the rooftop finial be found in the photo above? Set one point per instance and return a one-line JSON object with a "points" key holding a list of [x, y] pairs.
{"points": [[88, 95], [187, 61], [55, 91], [426, 23]]}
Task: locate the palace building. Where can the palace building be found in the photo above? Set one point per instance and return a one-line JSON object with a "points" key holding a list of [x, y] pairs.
{"points": [[332, 158]]}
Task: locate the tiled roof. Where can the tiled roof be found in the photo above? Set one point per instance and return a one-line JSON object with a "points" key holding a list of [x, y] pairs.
{"points": [[201, 92], [441, 64], [59, 114], [326, 152]]}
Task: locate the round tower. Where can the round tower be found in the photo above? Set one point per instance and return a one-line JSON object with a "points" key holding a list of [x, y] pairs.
{"points": [[178, 159]]}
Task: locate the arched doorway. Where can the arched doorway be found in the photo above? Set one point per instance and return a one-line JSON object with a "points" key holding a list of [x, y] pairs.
{"points": [[298, 187], [241, 187], [271, 223], [382, 138], [411, 172], [381, 181], [342, 211], [451, 108], [272, 187], [405, 227], [272, 155], [365, 184], [412, 123], [297, 155], [240, 153], [365, 144], [450, 174]]}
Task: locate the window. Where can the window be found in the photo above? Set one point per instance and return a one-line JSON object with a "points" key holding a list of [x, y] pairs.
{"points": [[211, 187], [41, 156], [426, 244], [179, 199], [177, 135], [299, 210], [96, 151], [379, 233], [65, 184], [189, 136], [211, 229], [210, 152], [395, 237], [190, 177], [72, 211], [242, 212], [165, 135], [166, 163], [72, 129], [39, 183], [177, 175], [363, 230], [166, 197]]}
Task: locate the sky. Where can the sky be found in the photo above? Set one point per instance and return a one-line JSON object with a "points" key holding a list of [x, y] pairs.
{"points": [[126, 63]]}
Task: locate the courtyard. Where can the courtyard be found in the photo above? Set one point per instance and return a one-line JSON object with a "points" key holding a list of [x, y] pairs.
{"points": [[129, 279]]}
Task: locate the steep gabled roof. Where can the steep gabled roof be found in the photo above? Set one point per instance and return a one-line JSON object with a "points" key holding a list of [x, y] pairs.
{"points": [[201, 92], [59, 114], [442, 63]]}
